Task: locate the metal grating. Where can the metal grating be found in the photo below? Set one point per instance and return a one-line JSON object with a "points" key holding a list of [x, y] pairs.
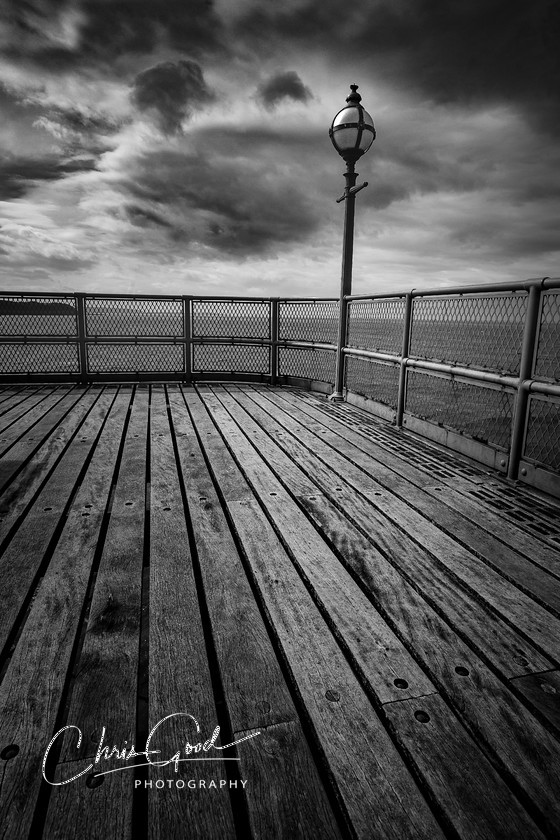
{"points": [[309, 321], [548, 351], [307, 363], [230, 319], [134, 317], [23, 315], [231, 358], [482, 412], [542, 443], [38, 358], [375, 380], [135, 358], [485, 331], [376, 325]]}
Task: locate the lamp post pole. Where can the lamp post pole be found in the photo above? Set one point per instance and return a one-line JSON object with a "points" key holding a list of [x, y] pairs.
{"points": [[352, 133], [346, 279]]}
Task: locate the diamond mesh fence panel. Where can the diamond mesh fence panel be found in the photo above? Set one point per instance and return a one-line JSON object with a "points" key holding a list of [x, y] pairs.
{"points": [[307, 363], [378, 381], [309, 321], [484, 332], [483, 413], [376, 325], [134, 317], [542, 441], [38, 358], [548, 351], [135, 358], [37, 316], [231, 319], [231, 358]]}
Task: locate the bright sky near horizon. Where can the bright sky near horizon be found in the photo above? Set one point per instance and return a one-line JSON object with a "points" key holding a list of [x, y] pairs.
{"points": [[181, 146]]}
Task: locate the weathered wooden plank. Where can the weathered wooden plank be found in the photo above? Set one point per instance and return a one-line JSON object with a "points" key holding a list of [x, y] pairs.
{"points": [[454, 491], [538, 624], [22, 558], [24, 426], [516, 739], [485, 702], [278, 763], [22, 412], [13, 396], [474, 798], [543, 692], [37, 671], [477, 525], [510, 652], [102, 812], [25, 448], [179, 678], [104, 690], [374, 785], [20, 492], [375, 650]]}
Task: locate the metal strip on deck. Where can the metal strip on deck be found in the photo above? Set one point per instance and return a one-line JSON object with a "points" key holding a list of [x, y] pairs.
{"points": [[378, 645]]}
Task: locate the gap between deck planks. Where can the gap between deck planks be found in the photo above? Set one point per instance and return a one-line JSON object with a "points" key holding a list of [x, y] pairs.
{"points": [[203, 531]]}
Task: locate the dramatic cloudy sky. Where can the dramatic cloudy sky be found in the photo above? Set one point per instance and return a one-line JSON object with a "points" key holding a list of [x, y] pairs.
{"points": [[181, 146]]}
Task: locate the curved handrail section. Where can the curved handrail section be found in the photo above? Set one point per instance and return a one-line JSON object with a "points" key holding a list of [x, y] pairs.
{"points": [[476, 368]]}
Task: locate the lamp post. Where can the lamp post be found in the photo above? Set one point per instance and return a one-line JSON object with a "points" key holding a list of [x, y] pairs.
{"points": [[352, 133]]}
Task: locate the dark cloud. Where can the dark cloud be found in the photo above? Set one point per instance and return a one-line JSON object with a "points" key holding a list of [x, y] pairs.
{"points": [[64, 34], [84, 121], [475, 50], [20, 174], [236, 206], [171, 90], [144, 217], [286, 85]]}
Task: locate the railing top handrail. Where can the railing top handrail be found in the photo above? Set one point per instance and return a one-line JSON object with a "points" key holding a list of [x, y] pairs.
{"points": [[483, 288], [488, 288]]}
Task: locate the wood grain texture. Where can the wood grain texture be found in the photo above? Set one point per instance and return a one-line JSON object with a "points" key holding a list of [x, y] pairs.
{"points": [[299, 577], [543, 691], [92, 813], [179, 678], [510, 652], [457, 514], [452, 489], [278, 763], [37, 671], [375, 649], [25, 447], [104, 687], [388, 512], [23, 488], [22, 558], [474, 798], [374, 785], [20, 415]]}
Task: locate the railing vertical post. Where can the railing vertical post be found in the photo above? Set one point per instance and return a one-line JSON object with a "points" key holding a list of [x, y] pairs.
{"points": [[274, 327], [82, 331], [401, 397], [530, 334], [187, 338]]}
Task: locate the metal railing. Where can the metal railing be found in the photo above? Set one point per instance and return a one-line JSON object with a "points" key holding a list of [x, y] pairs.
{"points": [[475, 368]]}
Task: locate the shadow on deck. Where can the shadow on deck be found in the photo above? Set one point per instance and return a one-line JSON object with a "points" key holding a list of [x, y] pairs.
{"points": [[375, 622]]}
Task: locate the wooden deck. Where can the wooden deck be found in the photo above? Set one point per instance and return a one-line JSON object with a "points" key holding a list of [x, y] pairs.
{"points": [[382, 617]]}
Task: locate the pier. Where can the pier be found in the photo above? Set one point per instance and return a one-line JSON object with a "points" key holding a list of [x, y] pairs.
{"points": [[363, 595]]}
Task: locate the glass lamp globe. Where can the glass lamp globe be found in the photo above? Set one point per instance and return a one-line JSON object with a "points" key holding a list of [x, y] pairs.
{"points": [[352, 131]]}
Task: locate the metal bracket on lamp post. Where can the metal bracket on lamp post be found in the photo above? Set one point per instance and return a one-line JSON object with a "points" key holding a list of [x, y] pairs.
{"points": [[351, 191]]}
